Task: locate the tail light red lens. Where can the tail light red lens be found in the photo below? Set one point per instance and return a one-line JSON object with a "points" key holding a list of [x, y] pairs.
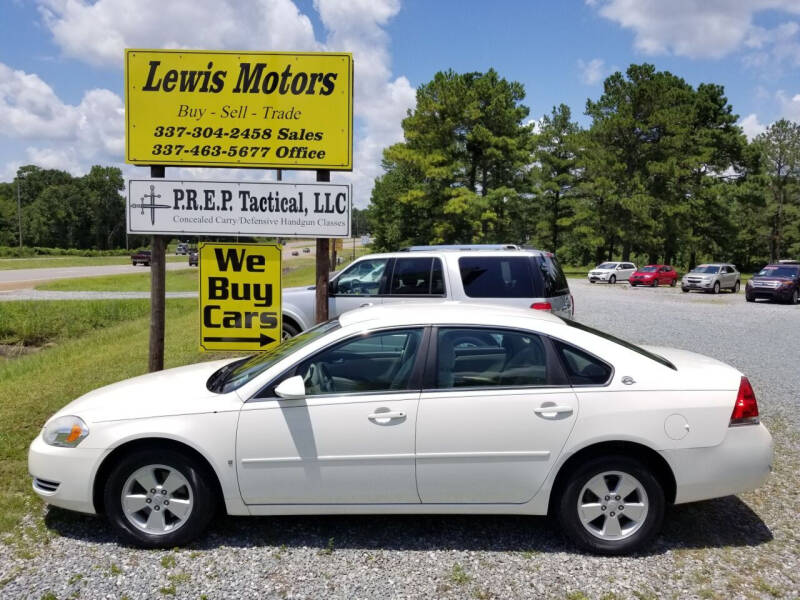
{"points": [[745, 411], [542, 306]]}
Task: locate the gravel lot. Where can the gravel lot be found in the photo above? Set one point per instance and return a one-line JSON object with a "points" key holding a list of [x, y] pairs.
{"points": [[735, 547]]}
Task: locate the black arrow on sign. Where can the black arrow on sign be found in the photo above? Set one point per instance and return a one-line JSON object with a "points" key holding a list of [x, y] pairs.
{"points": [[262, 339]]}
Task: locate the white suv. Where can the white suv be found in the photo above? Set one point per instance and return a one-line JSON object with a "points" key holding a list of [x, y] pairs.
{"points": [[612, 272], [515, 277]]}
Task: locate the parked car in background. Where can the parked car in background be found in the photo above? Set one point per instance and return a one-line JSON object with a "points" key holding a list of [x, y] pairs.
{"points": [[295, 253], [654, 275], [779, 282], [193, 257], [453, 409], [519, 277], [306, 250], [612, 272], [712, 277], [142, 257], [182, 248]]}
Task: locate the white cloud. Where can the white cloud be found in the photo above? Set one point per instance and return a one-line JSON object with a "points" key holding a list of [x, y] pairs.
{"points": [[694, 28], [592, 72], [75, 135], [789, 106], [96, 32], [752, 126]]}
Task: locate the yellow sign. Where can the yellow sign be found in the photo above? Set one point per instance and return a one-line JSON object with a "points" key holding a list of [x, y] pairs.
{"points": [[240, 296], [239, 109]]}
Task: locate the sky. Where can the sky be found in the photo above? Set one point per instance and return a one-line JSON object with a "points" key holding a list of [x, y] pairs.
{"points": [[61, 77]]}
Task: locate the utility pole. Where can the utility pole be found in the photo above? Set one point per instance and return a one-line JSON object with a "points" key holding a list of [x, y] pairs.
{"points": [[323, 265], [158, 244], [19, 213]]}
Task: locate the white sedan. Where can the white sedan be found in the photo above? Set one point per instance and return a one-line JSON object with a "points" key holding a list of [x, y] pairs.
{"points": [[448, 408]]}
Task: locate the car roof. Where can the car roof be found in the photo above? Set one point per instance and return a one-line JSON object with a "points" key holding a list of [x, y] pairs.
{"points": [[469, 253], [450, 312]]}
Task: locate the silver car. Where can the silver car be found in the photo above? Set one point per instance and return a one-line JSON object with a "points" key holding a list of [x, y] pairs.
{"points": [[511, 277], [712, 278], [612, 272]]}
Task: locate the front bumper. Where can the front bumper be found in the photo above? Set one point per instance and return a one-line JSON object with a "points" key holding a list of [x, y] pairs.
{"points": [[599, 277], [763, 293], [641, 281], [64, 476], [697, 285], [740, 463]]}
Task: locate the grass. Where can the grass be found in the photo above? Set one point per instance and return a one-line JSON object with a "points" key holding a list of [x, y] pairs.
{"points": [[34, 323], [458, 575], [183, 280], [47, 262], [36, 385]]}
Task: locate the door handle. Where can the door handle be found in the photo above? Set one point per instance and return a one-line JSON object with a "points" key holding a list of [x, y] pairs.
{"points": [[365, 304], [398, 414], [551, 411]]}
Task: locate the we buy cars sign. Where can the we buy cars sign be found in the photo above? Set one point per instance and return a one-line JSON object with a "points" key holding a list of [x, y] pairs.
{"points": [[240, 296]]}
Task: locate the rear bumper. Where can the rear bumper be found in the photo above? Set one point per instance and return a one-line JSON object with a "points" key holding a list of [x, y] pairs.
{"points": [[740, 463]]}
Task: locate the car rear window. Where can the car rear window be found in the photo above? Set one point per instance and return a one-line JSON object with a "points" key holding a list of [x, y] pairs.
{"points": [[555, 282], [499, 277]]}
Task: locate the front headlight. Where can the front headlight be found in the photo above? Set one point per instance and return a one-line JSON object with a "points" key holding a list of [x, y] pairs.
{"points": [[66, 432]]}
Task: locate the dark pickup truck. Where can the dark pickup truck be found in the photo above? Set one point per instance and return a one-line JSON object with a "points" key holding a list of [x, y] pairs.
{"points": [[141, 258]]}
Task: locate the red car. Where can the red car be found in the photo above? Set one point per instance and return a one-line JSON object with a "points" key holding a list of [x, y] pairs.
{"points": [[654, 275]]}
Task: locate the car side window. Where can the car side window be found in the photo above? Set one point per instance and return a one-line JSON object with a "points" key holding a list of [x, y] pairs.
{"points": [[363, 278], [482, 357], [417, 277], [497, 277], [377, 362], [582, 368]]}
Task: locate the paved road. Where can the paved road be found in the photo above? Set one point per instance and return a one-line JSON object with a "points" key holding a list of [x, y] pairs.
{"points": [[15, 279]]}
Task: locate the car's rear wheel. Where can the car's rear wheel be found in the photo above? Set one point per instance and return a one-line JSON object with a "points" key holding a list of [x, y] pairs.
{"points": [[612, 505], [737, 286], [159, 499], [716, 287], [288, 331], [674, 282]]}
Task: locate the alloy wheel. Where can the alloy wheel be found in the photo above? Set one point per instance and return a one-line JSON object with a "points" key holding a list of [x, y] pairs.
{"points": [[157, 499], [613, 505]]}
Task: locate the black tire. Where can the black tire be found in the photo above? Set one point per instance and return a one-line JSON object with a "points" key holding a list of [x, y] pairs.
{"points": [[655, 281], [570, 520], [674, 283], [203, 499], [288, 330], [749, 299], [612, 280], [716, 287], [795, 297], [736, 287], [684, 290]]}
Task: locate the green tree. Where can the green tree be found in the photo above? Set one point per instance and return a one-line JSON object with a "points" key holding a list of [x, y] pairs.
{"points": [[780, 149], [457, 175]]}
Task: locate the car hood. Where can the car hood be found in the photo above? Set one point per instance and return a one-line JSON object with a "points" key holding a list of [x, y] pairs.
{"points": [[699, 371], [165, 393], [294, 291]]}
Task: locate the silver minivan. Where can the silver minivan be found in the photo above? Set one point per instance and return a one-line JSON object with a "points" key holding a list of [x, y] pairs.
{"points": [[512, 277]]}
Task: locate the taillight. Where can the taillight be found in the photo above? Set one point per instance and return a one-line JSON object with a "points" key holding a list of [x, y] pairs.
{"points": [[745, 411], [542, 306]]}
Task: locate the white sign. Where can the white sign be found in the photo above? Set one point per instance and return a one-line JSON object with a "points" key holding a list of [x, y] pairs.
{"points": [[217, 208]]}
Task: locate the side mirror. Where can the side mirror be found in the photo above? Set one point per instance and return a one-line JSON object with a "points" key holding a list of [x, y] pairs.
{"points": [[291, 388]]}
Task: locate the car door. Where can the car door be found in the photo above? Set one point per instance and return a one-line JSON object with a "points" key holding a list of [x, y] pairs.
{"points": [[730, 277], [493, 417], [627, 270], [350, 440], [360, 284], [419, 279]]}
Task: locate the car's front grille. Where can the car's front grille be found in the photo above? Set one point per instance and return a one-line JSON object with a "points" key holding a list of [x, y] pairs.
{"points": [[766, 284], [43, 485]]}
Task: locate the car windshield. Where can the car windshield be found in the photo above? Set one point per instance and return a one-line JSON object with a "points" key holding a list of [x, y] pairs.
{"points": [[234, 375], [607, 336], [705, 269], [648, 269], [607, 266], [774, 271]]}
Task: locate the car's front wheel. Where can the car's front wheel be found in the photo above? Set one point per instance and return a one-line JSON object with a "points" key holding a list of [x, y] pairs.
{"points": [[288, 331], [612, 505], [612, 280], [795, 297], [159, 499]]}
